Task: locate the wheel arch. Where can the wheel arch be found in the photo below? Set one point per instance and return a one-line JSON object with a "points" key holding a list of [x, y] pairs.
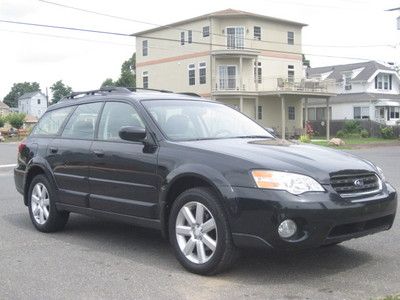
{"points": [[35, 168]]}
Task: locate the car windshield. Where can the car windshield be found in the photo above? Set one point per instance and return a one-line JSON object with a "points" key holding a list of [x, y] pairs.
{"points": [[182, 120]]}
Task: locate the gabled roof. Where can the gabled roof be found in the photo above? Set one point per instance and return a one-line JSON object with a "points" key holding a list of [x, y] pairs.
{"points": [[30, 95], [3, 105], [336, 71], [361, 97], [221, 14]]}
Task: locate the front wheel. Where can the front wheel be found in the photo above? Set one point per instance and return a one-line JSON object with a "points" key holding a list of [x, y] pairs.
{"points": [[200, 234], [42, 208]]}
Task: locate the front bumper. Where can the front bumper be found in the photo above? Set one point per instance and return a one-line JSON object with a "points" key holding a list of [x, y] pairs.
{"points": [[322, 218]]}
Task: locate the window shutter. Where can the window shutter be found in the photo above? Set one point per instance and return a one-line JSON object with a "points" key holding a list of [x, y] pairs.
{"points": [[390, 81], [376, 82]]}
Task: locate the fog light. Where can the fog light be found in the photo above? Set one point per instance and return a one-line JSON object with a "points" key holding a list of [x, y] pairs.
{"points": [[287, 228]]}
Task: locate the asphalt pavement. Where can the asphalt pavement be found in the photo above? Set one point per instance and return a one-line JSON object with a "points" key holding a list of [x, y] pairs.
{"points": [[98, 259]]}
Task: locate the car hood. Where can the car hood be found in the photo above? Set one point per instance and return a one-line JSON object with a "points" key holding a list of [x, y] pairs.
{"points": [[274, 154]]}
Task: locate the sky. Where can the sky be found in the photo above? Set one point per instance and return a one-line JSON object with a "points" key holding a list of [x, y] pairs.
{"points": [[85, 60]]}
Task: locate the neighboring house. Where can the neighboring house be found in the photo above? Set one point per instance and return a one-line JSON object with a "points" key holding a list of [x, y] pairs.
{"points": [[250, 61], [34, 103], [4, 109], [366, 90], [30, 121]]}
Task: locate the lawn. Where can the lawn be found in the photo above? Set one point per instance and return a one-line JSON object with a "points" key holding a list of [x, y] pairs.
{"points": [[354, 142]]}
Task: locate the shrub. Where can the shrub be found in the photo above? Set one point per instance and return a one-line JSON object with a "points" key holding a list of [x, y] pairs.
{"points": [[16, 120], [387, 132], [2, 121], [305, 138], [364, 133], [309, 130], [340, 134], [352, 126]]}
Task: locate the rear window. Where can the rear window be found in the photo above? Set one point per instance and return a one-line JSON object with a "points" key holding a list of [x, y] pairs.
{"points": [[51, 122]]}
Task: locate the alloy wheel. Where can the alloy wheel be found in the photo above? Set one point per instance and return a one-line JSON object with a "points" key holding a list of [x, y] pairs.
{"points": [[196, 232], [40, 203]]}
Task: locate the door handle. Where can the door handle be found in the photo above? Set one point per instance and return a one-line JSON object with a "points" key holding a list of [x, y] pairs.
{"points": [[53, 149], [98, 153]]}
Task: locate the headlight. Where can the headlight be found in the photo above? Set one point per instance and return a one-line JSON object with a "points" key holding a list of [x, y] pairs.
{"points": [[293, 183], [380, 173]]}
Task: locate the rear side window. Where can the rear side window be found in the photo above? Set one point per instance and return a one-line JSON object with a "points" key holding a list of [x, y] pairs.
{"points": [[82, 123], [51, 122], [116, 115]]}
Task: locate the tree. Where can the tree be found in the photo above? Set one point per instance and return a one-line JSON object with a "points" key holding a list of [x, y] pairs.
{"points": [[108, 82], [2, 121], [16, 120], [127, 77], [18, 89], [59, 90]]}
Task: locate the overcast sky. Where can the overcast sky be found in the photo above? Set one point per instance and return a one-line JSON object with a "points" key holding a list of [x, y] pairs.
{"points": [[84, 60]]}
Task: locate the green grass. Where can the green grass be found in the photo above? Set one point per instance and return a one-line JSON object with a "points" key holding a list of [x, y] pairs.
{"points": [[352, 142], [394, 297]]}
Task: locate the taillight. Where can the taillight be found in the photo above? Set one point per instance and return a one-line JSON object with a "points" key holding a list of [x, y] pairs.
{"points": [[21, 146]]}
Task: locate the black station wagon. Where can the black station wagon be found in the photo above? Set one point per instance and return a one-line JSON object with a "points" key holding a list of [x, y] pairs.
{"points": [[211, 179]]}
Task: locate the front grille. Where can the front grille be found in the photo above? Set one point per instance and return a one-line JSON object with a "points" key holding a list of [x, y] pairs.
{"points": [[356, 185]]}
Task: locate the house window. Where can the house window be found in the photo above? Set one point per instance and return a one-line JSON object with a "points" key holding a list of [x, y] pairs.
{"points": [[145, 79], [145, 48], [206, 31], [190, 36], [202, 72], [257, 72], [38, 101], [347, 81], [227, 77], [259, 112], [192, 74], [290, 73], [291, 113], [394, 112], [318, 113], [257, 33], [290, 37], [182, 38], [383, 82], [361, 112], [235, 37]]}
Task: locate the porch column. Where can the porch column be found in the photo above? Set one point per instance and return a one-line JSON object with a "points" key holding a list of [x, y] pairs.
{"points": [[328, 120], [306, 109], [283, 111], [241, 104], [302, 110], [213, 73], [241, 73]]}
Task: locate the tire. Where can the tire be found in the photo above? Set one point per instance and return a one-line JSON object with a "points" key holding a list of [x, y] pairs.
{"points": [[46, 217], [217, 252]]}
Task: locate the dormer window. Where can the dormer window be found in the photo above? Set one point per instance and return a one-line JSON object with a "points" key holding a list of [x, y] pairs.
{"points": [[383, 82], [347, 81]]}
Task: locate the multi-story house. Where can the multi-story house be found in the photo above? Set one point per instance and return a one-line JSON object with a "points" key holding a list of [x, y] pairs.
{"points": [[34, 104], [367, 90], [250, 61]]}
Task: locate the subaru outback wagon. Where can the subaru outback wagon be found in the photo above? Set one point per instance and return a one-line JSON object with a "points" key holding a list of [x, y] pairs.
{"points": [[211, 179]]}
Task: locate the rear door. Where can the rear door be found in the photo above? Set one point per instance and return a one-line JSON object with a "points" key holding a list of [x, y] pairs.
{"points": [[123, 174], [69, 155]]}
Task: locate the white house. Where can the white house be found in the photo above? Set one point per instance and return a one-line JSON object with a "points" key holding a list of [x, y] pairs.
{"points": [[367, 90], [34, 103]]}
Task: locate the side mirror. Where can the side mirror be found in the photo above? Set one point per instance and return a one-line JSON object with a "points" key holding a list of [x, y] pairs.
{"points": [[132, 133]]}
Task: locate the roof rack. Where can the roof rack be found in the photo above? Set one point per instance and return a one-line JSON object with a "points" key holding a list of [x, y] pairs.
{"points": [[110, 89], [190, 94]]}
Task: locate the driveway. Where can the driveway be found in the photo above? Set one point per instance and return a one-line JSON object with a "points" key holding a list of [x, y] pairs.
{"points": [[95, 259]]}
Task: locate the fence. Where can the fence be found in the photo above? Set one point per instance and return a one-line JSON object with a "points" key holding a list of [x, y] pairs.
{"points": [[371, 126]]}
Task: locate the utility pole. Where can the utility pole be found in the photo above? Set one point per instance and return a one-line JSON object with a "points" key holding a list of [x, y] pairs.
{"points": [[47, 97]]}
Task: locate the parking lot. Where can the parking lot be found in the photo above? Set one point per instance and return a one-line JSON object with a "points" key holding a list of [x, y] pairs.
{"points": [[94, 259]]}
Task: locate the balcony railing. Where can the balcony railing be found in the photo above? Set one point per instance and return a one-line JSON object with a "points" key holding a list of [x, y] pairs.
{"points": [[306, 85]]}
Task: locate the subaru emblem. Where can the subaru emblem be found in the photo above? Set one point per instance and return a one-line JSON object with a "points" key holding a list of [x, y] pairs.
{"points": [[359, 182]]}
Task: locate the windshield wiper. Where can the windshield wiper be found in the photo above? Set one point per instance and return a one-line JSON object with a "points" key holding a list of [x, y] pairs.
{"points": [[253, 137]]}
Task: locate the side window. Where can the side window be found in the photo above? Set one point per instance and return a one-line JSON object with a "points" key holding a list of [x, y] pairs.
{"points": [[82, 122], [51, 122], [116, 115]]}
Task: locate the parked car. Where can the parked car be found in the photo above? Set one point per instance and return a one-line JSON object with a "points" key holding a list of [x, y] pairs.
{"points": [[12, 132], [211, 179]]}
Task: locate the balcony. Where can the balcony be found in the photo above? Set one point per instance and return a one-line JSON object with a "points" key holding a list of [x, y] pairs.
{"points": [[306, 85]]}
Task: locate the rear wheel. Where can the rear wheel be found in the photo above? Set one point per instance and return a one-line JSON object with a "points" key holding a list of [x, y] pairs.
{"points": [[200, 234], [42, 209]]}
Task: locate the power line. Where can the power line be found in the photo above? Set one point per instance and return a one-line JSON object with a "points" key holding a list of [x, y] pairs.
{"points": [[169, 39], [199, 31]]}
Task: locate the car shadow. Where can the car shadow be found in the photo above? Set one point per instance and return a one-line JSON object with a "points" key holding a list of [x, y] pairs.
{"points": [[146, 246]]}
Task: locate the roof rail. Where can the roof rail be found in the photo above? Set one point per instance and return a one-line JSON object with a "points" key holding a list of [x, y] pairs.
{"points": [[110, 89], [190, 94]]}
